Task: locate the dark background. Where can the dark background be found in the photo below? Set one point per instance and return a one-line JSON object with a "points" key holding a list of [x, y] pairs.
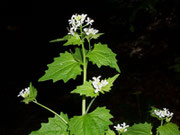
{"points": [[143, 34]]}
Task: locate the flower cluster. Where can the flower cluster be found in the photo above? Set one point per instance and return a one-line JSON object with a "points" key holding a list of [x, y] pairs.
{"points": [[89, 31], [121, 128], [97, 84], [79, 21], [163, 113], [24, 92]]}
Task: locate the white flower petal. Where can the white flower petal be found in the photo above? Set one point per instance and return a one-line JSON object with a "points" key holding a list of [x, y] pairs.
{"points": [[24, 93]]}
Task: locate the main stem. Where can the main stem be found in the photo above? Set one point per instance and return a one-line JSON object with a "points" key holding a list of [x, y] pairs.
{"points": [[84, 79]]}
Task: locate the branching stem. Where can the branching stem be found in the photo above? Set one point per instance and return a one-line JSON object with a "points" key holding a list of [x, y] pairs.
{"points": [[90, 105]]}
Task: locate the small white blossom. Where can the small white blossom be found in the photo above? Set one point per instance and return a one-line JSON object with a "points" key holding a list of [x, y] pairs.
{"points": [[121, 128], [72, 31], [89, 31], [163, 113], [118, 127], [104, 83], [89, 21], [24, 92], [72, 20], [83, 17], [97, 84]]}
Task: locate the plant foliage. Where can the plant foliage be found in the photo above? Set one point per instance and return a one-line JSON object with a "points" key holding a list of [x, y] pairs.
{"points": [[64, 67], [101, 55], [55, 126], [94, 123]]}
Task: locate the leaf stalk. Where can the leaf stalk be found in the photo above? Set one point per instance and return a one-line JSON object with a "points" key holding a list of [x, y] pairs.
{"points": [[35, 101]]}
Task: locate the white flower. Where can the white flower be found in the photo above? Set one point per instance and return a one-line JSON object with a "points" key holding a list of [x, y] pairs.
{"points": [[168, 113], [86, 30], [89, 21], [118, 127], [24, 93], [83, 17], [163, 113], [72, 20], [121, 128], [104, 83], [97, 84], [71, 31], [77, 21], [89, 31]]}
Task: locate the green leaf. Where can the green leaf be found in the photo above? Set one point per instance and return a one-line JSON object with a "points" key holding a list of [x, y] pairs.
{"points": [[65, 117], [139, 129], [110, 132], [32, 95], [153, 114], [78, 54], [73, 40], [110, 81], [87, 88], [61, 39], [101, 55], [94, 123], [55, 126], [63, 68], [95, 36], [33, 91], [168, 129]]}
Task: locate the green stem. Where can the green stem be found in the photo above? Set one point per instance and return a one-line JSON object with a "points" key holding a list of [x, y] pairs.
{"points": [[51, 111], [84, 79], [161, 122], [89, 44], [90, 105], [84, 75]]}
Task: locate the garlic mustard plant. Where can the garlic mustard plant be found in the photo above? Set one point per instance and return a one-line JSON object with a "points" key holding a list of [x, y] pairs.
{"points": [[73, 63]]}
